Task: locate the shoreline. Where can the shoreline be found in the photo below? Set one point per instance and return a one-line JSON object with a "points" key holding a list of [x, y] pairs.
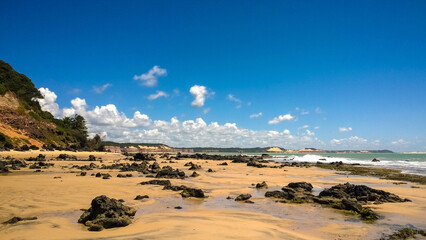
{"points": [[30, 194]]}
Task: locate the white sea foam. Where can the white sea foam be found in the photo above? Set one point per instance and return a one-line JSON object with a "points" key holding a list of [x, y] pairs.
{"points": [[416, 167]]}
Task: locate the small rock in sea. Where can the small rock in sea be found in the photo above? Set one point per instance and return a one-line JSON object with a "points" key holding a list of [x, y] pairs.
{"points": [[178, 207], [140, 197], [18, 219], [243, 197], [375, 160]]}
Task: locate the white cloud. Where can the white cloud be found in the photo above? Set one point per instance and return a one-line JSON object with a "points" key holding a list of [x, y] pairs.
{"points": [[200, 93], [355, 143], [286, 117], [234, 99], [48, 102], [399, 142], [206, 110], [304, 127], [100, 90], [318, 110], [309, 133], [157, 95], [256, 115], [316, 127], [150, 78], [345, 129]]}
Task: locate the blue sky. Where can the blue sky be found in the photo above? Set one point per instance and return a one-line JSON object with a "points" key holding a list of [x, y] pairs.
{"points": [[342, 74]]}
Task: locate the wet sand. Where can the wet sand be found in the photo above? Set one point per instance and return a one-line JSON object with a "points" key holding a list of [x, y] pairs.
{"points": [[57, 203]]}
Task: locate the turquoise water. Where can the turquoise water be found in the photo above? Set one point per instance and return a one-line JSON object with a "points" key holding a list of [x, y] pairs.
{"points": [[408, 163]]}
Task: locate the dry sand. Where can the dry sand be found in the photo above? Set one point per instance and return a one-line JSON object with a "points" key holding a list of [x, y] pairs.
{"points": [[57, 203]]}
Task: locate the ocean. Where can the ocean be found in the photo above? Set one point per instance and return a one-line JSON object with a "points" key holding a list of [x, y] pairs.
{"points": [[409, 163]]}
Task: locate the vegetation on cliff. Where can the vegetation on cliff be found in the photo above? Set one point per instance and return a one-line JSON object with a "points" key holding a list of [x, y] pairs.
{"points": [[23, 122]]}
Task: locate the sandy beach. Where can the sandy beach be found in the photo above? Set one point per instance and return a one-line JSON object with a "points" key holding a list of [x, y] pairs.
{"points": [[57, 194]]}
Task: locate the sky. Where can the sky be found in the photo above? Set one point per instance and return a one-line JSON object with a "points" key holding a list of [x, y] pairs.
{"points": [[294, 74]]}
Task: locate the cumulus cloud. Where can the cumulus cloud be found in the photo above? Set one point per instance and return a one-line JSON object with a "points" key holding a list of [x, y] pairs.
{"points": [[232, 98], [100, 90], [256, 115], [48, 102], [200, 93], [309, 133], [156, 95], [280, 118], [150, 78], [345, 129], [304, 127]]}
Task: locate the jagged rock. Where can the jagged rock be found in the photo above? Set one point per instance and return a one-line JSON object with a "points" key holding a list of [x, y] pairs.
{"points": [[106, 176], [169, 172], [279, 194], [143, 156], [243, 197], [155, 167], [106, 212], [223, 164], [195, 174], [254, 163], [262, 185], [375, 160], [157, 182], [124, 175], [361, 193], [82, 174], [192, 192], [92, 158], [210, 170], [18, 219]]}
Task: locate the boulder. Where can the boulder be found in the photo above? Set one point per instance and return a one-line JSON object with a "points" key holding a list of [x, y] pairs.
{"points": [[140, 197], [18, 219], [169, 172], [106, 212], [243, 197], [192, 192], [301, 186]]}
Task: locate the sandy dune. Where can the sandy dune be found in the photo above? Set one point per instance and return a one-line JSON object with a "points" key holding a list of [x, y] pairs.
{"points": [[57, 203]]}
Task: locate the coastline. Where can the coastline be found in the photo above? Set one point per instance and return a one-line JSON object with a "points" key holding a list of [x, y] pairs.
{"points": [[56, 203]]}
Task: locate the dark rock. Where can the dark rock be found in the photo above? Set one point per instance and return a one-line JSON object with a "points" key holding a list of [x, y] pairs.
{"points": [[192, 192], [248, 201], [375, 160], [157, 182], [223, 164], [351, 205], [107, 213], [106, 176], [143, 156], [229, 198], [210, 170], [92, 158], [361, 193], [18, 219], [262, 185], [195, 174], [140, 197], [169, 172], [95, 228], [178, 207], [301, 185], [243, 197], [155, 167], [280, 194]]}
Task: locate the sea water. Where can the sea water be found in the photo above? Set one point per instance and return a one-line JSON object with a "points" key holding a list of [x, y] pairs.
{"points": [[414, 163]]}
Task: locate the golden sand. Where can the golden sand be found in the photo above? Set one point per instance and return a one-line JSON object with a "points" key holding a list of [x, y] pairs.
{"points": [[57, 203]]}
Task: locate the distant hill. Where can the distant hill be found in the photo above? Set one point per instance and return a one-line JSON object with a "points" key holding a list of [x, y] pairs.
{"points": [[110, 143], [22, 122]]}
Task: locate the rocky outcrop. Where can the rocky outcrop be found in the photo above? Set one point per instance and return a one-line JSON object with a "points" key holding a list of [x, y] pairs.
{"points": [[106, 212], [295, 192], [157, 182], [169, 172]]}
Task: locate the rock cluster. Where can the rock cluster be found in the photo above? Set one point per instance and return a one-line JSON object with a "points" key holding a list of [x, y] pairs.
{"points": [[106, 212], [169, 172]]}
